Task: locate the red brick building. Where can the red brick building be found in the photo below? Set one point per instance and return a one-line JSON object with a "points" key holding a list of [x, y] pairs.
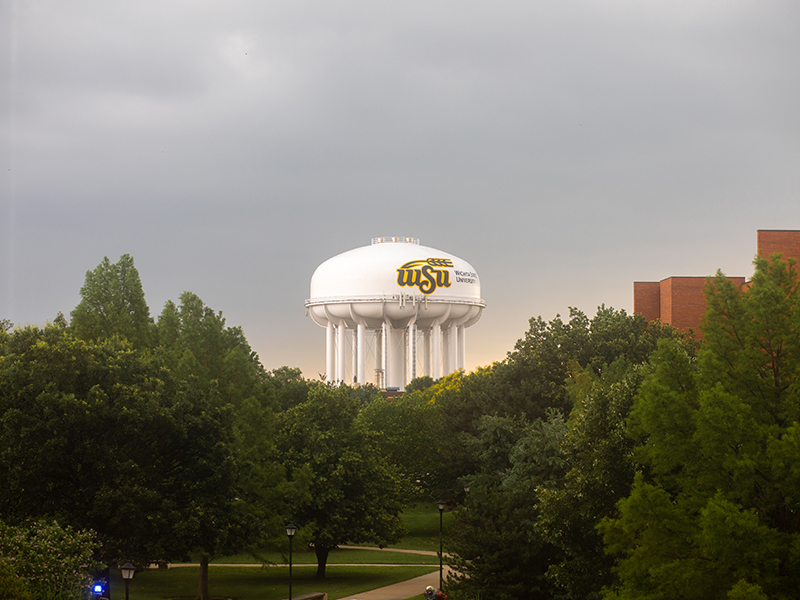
{"points": [[679, 301]]}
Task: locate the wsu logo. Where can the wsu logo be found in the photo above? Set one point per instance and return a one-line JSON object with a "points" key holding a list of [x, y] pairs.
{"points": [[425, 275]]}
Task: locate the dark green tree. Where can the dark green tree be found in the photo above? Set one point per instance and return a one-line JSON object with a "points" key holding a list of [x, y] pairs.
{"points": [[459, 402], [98, 438], [12, 586], [291, 388], [405, 426], [171, 425], [579, 368], [354, 494], [196, 345], [598, 451], [200, 350], [112, 303], [598, 454], [714, 512], [419, 383], [533, 379], [496, 546]]}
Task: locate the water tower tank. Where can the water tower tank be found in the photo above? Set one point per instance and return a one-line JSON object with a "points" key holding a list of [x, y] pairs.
{"points": [[394, 311]]}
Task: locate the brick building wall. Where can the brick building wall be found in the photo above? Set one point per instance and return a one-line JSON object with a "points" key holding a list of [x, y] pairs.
{"points": [[771, 241], [679, 301], [647, 299], [683, 301]]}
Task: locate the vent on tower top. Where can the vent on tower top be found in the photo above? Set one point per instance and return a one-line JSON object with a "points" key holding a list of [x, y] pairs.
{"points": [[395, 240]]}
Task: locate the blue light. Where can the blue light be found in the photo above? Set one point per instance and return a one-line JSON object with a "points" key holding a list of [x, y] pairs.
{"points": [[98, 588]]}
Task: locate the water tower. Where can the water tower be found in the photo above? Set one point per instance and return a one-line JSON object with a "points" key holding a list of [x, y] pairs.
{"points": [[394, 311]]}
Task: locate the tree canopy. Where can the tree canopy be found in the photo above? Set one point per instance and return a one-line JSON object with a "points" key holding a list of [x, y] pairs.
{"points": [[112, 304], [98, 438], [527, 436], [354, 494], [714, 510]]}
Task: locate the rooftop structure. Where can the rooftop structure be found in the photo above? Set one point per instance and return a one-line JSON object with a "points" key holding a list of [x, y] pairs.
{"points": [[680, 302]]}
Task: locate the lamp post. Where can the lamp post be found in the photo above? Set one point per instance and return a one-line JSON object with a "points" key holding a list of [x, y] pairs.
{"points": [[127, 574], [441, 504], [291, 529]]}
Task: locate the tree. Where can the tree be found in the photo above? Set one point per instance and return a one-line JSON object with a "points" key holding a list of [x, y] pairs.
{"points": [[533, 375], [419, 383], [199, 349], [195, 344], [581, 368], [291, 388], [531, 380], [112, 303], [354, 494], [12, 586], [459, 401], [159, 437], [54, 562], [405, 426], [96, 436], [496, 545], [599, 472], [714, 511]]}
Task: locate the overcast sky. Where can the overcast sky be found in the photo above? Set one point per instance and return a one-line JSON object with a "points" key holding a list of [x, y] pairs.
{"points": [[563, 148]]}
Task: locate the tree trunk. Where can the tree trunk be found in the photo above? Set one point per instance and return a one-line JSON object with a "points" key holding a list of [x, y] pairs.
{"points": [[202, 588], [322, 560]]}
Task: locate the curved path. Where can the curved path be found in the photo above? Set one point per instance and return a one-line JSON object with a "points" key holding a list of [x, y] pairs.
{"points": [[401, 591], [404, 589]]}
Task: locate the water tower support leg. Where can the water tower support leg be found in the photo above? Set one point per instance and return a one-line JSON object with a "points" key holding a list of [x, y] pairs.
{"points": [[379, 359], [361, 344], [330, 353], [341, 357], [452, 347], [462, 347], [412, 352], [436, 351], [387, 357], [426, 352]]}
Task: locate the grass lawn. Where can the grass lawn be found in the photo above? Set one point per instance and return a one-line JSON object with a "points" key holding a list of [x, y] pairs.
{"points": [[338, 556], [255, 583], [272, 583], [422, 522]]}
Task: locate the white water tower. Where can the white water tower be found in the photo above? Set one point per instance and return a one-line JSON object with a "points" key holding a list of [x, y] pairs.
{"points": [[394, 311]]}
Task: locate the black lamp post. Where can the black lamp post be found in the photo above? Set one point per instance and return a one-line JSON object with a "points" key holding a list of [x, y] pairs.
{"points": [[291, 529], [127, 574], [441, 504]]}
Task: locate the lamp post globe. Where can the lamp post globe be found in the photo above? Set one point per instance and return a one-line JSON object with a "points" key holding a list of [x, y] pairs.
{"points": [[127, 574]]}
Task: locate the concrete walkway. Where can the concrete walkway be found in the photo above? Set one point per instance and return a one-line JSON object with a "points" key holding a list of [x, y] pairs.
{"points": [[402, 590]]}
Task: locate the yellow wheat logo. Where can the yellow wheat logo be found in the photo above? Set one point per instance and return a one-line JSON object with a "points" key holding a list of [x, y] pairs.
{"points": [[424, 274]]}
